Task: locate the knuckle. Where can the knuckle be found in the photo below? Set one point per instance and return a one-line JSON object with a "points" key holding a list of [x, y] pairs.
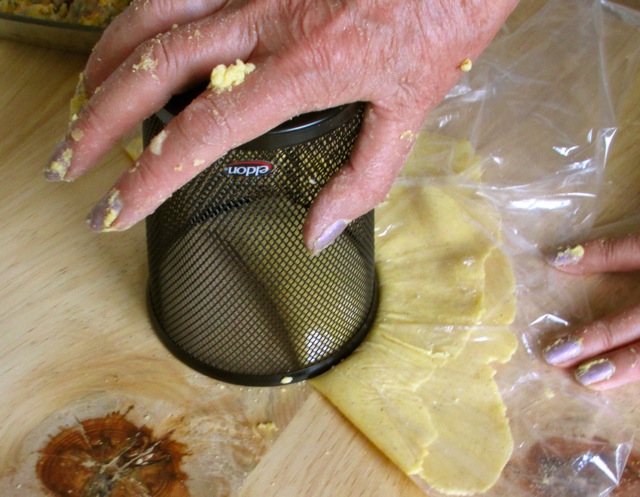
{"points": [[156, 58], [602, 335], [316, 53], [156, 9], [378, 194], [205, 123], [631, 247], [377, 189], [161, 8], [145, 181], [608, 252], [148, 177], [153, 184], [618, 254], [91, 120]]}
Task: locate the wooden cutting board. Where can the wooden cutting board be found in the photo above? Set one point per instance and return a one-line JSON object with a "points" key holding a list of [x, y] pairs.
{"points": [[74, 329], [75, 337]]}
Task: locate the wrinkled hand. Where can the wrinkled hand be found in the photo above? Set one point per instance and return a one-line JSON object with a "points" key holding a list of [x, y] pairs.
{"points": [[605, 353], [399, 56]]}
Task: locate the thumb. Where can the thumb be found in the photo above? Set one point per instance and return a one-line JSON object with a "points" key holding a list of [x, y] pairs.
{"points": [[379, 153]]}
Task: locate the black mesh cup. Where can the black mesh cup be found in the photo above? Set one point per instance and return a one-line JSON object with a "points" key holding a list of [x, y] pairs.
{"points": [[232, 291]]}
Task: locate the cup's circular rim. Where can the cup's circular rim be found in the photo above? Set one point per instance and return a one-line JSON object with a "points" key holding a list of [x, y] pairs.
{"points": [[297, 130]]}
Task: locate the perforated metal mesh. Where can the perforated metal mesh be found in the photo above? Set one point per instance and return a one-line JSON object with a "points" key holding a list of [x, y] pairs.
{"points": [[233, 291]]}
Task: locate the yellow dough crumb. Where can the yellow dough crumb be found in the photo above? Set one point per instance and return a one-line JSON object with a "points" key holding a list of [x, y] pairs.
{"points": [[577, 251], [147, 63], [59, 167], [78, 100], [466, 65], [134, 147], [156, 143], [224, 78], [408, 135], [267, 426], [77, 134], [111, 213], [569, 255]]}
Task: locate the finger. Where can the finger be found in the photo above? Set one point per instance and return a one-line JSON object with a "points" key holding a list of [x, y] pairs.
{"points": [[378, 154], [611, 370], [150, 18], [599, 256], [204, 131], [143, 84], [594, 339]]}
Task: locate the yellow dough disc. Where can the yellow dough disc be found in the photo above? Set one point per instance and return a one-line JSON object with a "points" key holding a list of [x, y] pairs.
{"points": [[431, 258], [473, 440], [421, 387]]}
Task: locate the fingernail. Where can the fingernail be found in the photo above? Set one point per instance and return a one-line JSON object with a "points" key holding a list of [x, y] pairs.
{"points": [[59, 163], [595, 371], [104, 214], [562, 350], [567, 256], [329, 235]]}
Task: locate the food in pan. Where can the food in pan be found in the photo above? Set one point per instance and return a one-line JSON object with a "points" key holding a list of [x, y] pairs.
{"points": [[87, 12]]}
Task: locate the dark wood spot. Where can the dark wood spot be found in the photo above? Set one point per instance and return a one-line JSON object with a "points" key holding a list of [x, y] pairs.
{"points": [[112, 457]]}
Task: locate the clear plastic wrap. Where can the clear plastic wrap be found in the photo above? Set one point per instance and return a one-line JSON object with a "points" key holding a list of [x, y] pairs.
{"points": [[540, 109], [528, 131]]}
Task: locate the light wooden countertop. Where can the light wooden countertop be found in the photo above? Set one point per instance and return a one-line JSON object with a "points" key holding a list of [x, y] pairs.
{"points": [[75, 335], [74, 329]]}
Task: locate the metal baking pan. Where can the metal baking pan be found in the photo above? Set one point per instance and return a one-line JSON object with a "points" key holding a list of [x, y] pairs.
{"points": [[52, 34]]}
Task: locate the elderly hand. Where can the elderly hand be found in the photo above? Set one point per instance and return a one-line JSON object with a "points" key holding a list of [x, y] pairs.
{"points": [[401, 57], [604, 354]]}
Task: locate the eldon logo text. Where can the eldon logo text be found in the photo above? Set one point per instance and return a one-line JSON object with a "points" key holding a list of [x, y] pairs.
{"points": [[249, 168]]}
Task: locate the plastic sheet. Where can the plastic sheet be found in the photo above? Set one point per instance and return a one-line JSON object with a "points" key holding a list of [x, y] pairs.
{"points": [[540, 108]]}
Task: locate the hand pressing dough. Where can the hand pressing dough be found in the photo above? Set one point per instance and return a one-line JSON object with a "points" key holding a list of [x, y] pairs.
{"points": [[421, 386]]}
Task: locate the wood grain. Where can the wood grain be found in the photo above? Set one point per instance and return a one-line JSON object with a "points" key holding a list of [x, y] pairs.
{"points": [[320, 454], [75, 338]]}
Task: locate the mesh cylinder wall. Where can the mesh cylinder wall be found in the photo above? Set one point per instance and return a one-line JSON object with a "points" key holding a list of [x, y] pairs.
{"points": [[232, 290]]}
